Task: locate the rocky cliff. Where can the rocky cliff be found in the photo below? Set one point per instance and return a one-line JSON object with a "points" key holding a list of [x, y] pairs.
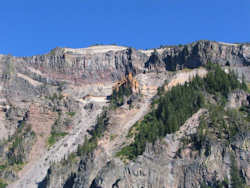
{"points": [[49, 102], [199, 53], [177, 160]]}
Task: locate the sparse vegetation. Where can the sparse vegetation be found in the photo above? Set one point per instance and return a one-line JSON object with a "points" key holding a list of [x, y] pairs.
{"points": [[116, 99], [3, 184], [248, 86], [165, 118], [98, 130], [71, 114], [18, 146], [54, 137], [173, 108], [170, 110], [2, 167], [8, 69], [67, 122], [72, 158], [112, 137], [217, 184], [16, 154], [118, 95], [55, 97], [56, 132], [88, 146], [219, 123], [236, 180], [246, 112]]}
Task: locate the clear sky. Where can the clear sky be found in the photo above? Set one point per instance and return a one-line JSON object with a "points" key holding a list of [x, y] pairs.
{"points": [[30, 27]]}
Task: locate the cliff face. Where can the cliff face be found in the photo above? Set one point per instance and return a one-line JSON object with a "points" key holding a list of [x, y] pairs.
{"points": [[175, 161], [112, 63], [54, 87], [168, 163], [163, 165], [201, 52], [95, 64]]}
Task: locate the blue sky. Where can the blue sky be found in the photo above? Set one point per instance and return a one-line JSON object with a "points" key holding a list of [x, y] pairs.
{"points": [[31, 27]]}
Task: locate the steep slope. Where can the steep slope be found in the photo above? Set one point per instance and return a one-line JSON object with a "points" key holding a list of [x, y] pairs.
{"points": [[201, 52], [70, 87], [201, 153]]}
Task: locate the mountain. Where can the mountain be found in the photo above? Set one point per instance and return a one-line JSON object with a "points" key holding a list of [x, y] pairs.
{"points": [[114, 116]]}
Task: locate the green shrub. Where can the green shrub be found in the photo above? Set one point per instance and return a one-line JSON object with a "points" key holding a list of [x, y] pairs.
{"points": [[71, 114], [117, 97], [56, 96], [236, 179], [2, 167], [54, 137], [246, 110], [3, 185], [98, 130], [16, 153], [88, 146]]}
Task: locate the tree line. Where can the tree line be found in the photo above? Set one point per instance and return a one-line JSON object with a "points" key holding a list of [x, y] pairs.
{"points": [[174, 107]]}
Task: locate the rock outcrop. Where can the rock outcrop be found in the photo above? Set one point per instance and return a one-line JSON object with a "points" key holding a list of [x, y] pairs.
{"points": [[201, 52], [238, 98], [69, 87], [161, 165]]}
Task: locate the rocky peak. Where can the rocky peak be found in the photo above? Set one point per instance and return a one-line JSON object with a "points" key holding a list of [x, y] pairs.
{"points": [[199, 53]]}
